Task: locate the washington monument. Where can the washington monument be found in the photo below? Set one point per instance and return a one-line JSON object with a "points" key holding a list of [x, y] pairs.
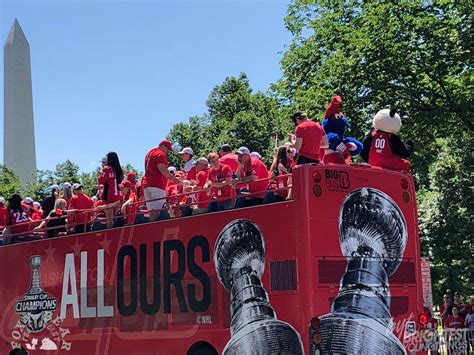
{"points": [[19, 132]]}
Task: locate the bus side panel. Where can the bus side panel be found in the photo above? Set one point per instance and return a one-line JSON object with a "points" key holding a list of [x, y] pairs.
{"points": [[146, 289]]}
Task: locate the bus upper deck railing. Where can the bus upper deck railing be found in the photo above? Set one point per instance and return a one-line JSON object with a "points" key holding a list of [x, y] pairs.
{"points": [[96, 218]]}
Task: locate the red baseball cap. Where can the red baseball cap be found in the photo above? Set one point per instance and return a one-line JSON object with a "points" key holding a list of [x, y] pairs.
{"points": [[125, 183], [167, 144], [131, 174]]}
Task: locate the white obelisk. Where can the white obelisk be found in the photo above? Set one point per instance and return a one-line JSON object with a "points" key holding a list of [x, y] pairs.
{"points": [[19, 132]]}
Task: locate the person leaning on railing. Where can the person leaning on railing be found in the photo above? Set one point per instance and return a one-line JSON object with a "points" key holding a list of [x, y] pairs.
{"points": [[250, 169], [280, 169], [220, 183], [55, 222]]}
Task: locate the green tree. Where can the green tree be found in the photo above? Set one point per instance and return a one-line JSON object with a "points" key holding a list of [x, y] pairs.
{"points": [[412, 54], [446, 219], [235, 116], [39, 189], [9, 182], [67, 171]]}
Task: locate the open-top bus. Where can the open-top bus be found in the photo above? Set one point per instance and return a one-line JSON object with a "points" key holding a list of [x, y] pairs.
{"points": [[334, 270]]}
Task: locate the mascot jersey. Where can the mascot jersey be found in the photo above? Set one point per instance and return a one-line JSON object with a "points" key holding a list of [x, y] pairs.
{"points": [[386, 150]]}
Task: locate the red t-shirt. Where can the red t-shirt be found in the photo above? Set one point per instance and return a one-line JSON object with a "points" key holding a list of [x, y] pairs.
{"points": [[202, 197], [108, 179], [231, 160], [257, 168], [35, 215], [81, 202], [153, 177], [221, 175], [311, 133], [191, 174], [454, 322], [3, 216], [130, 210]]}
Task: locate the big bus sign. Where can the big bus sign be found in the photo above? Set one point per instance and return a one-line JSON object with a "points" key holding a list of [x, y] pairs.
{"points": [[274, 278]]}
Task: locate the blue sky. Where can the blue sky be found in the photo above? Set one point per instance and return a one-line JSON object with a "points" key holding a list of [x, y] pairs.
{"points": [[116, 75]]}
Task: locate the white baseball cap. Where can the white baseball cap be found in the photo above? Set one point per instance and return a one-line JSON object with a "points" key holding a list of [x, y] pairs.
{"points": [[36, 204], [187, 150], [66, 185], [256, 155], [202, 160], [28, 200], [172, 169], [2, 200], [243, 151]]}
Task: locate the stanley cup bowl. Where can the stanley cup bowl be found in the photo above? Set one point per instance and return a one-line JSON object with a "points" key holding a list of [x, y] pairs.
{"points": [[239, 245], [35, 262], [372, 225]]}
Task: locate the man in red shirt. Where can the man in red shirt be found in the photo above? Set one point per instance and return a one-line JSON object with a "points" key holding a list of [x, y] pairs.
{"points": [[308, 139], [220, 182], [156, 178], [129, 199], [229, 158], [251, 169], [79, 202]]}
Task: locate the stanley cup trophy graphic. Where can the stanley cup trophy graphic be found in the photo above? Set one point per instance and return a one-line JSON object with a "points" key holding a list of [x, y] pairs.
{"points": [[239, 258], [35, 287], [36, 308], [373, 236]]}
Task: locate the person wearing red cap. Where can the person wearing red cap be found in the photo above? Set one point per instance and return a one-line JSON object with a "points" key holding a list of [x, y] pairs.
{"points": [[309, 137], [156, 178], [129, 199]]}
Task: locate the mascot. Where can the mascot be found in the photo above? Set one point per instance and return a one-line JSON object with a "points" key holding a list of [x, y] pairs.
{"points": [[335, 124], [382, 147]]}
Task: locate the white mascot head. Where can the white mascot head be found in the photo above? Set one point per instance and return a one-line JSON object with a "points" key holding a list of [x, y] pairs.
{"points": [[387, 120]]}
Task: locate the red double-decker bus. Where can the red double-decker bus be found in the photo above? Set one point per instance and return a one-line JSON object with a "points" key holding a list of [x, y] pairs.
{"points": [[335, 270]]}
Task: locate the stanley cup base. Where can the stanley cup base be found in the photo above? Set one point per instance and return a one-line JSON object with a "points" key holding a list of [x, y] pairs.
{"points": [[265, 337]]}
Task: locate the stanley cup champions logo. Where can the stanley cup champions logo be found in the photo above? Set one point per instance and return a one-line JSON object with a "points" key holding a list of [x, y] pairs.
{"points": [[373, 236], [239, 258], [36, 309]]}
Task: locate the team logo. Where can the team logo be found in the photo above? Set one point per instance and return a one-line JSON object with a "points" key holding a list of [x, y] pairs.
{"points": [[36, 308]]}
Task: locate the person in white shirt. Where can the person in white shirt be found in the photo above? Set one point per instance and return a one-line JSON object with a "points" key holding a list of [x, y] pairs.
{"points": [[189, 169]]}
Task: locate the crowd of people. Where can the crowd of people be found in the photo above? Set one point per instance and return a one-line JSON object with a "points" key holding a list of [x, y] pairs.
{"points": [[456, 319], [222, 180]]}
